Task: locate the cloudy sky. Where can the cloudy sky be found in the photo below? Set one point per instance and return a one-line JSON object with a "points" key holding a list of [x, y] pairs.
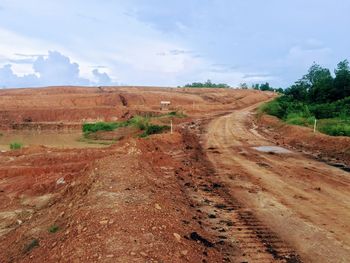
{"points": [[168, 43]]}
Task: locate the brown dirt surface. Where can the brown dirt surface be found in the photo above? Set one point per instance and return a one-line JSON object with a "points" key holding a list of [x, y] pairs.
{"points": [[201, 194]]}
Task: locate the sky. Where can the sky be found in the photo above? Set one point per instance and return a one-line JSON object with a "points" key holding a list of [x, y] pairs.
{"points": [[168, 43]]}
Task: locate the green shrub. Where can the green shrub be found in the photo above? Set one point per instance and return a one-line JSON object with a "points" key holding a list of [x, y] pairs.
{"points": [[99, 126], [154, 129], [139, 122], [16, 145], [53, 229], [142, 123]]}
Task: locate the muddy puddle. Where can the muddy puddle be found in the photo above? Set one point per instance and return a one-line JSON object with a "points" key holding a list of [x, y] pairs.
{"points": [[271, 149], [71, 139]]}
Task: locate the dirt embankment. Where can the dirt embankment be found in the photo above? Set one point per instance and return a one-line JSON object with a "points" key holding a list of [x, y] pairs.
{"points": [[334, 150], [127, 203], [22, 108]]}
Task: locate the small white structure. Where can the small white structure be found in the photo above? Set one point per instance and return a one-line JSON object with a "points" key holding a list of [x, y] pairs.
{"points": [[165, 105]]}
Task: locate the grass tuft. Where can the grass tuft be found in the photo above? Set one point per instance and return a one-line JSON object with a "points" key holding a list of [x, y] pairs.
{"points": [[16, 145], [53, 228]]}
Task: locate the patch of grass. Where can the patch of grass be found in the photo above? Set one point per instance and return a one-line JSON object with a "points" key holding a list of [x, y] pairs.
{"points": [[154, 129], [140, 122], [16, 145], [32, 244], [53, 228], [102, 126], [297, 119], [334, 127]]}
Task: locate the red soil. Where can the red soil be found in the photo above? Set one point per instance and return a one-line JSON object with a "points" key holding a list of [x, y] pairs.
{"points": [[201, 194], [79, 104], [125, 203]]}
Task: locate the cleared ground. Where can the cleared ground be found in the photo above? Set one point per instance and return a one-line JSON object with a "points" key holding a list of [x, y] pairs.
{"points": [[201, 194]]}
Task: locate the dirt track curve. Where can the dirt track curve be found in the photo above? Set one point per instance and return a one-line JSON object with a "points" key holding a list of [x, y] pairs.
{"points": [[283, 205]]}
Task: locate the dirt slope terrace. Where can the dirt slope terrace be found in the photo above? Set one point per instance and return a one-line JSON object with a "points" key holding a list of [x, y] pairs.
{"points": [[127, 203], [25, 107]]}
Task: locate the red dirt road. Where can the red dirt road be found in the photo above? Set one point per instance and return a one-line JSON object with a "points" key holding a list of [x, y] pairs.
{"points": [[304, 202]]}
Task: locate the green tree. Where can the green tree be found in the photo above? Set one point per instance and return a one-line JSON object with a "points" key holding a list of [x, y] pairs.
{"points": [[321, 83], [265, 87], [315, 87], [341, 87], [207, 84], [299, 91]]}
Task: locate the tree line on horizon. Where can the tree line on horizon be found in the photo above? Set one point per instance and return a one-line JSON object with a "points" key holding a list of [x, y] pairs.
{"points": [[209, 84]]}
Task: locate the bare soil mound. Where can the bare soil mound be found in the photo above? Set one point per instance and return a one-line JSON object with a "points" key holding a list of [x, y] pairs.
{"points": [[123, 204], [23, 108]]}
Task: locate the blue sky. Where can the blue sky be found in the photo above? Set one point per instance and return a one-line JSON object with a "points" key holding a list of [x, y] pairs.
{"points": [[168, 43]]}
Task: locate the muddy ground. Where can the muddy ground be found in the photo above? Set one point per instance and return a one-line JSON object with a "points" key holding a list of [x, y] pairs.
{"points": [[201, 194]]}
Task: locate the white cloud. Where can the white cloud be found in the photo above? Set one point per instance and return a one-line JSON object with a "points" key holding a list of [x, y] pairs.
{"points": [[57, 69], [53, 69], [102, 78], [9, 79]]}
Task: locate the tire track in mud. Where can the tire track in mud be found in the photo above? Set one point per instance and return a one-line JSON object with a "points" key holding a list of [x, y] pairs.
{"points": [[240, 236]]}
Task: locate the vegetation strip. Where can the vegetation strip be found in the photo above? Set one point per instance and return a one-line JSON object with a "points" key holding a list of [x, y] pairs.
{"points": [[317, 95], [142, 123]]}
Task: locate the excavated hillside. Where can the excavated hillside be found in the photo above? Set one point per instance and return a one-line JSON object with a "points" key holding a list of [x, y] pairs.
{"points": [[204, 193]]}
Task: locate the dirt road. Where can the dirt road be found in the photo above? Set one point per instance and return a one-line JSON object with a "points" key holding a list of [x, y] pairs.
{"points": [[287, 201]]}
